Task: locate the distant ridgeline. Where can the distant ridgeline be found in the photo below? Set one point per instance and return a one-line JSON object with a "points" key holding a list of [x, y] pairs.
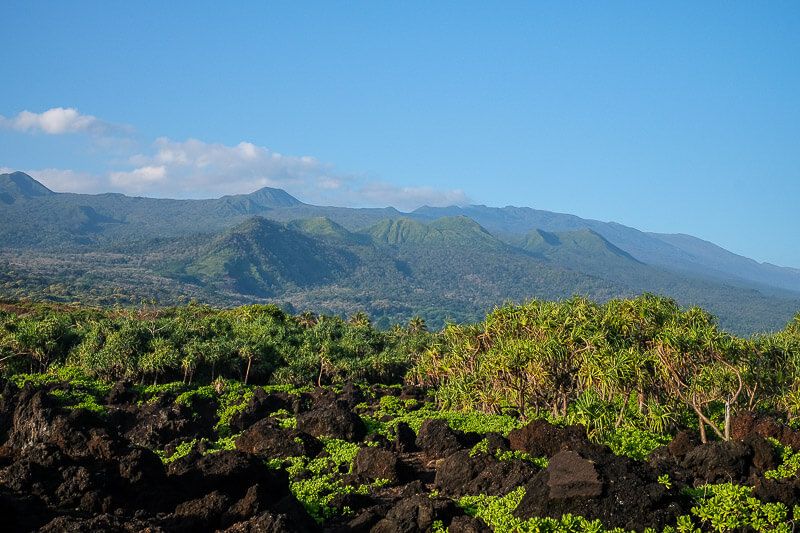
{"points": [[453, 263]]}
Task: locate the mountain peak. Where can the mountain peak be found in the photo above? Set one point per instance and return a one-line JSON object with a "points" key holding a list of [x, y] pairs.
{"points": [[325, 228], [264, 198], [18, 185], [272, 197]]}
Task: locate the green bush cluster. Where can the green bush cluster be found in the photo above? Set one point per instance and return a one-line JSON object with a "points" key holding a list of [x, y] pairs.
{"points": [[497, 513], [317, 481], [730, 507], [643, 363], [722, 507], [790, 462], [253, 343]]}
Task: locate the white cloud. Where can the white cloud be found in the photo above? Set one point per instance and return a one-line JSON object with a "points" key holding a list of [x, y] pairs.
{"points": [[198, 169], [59, 121], [194, 168], [408, 198], [139, 179]]}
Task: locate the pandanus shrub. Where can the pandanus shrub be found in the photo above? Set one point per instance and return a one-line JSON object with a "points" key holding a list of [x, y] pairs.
{"points": [[640, 361]]}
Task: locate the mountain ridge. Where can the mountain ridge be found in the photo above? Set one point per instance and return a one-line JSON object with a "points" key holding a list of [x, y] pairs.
{"points": [[452, 262]]}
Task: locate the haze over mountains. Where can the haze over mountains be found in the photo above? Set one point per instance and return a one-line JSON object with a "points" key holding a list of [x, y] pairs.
{"points": [[440, 263]]}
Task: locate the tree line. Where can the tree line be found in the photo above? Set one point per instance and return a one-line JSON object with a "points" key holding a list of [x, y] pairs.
{"points": [[252, 343], [643, 362]]}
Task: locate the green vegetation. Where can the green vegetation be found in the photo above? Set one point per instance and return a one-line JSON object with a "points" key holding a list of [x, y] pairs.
{"points": [[723, 507], [632, 372], [642, 363], [790, 463], [316, 482], [256, 343], [728, 507], [444, 264], [508, 455], [497, 512]]}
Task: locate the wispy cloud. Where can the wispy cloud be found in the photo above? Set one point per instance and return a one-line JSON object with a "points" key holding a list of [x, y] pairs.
{"points": [[197, 169], [410, 197], [60, 121]]}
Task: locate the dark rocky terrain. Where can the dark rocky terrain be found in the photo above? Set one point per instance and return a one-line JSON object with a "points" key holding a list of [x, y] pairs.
{"points": [[129, 468]]}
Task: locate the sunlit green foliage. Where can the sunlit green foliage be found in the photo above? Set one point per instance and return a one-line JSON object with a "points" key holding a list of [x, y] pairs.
{"points": [[729, 507], [253, 343], [642, 363], [497, 512], [315, 482], [790, 463]]}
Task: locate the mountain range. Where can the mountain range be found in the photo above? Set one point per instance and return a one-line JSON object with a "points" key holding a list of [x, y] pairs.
{"points": [[442, 263]]}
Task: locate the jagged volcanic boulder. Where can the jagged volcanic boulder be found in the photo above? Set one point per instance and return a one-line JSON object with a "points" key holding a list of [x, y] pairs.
{"points": [[231, 472], [619, 491], [417, 513], [572, 476], [460, 474], [404, 438], [437, 440], [540, 438], [270, 522], [259, 407], [719, 462], [332, 420], [748, 423], [37, 419], [155, 424], [236, 483], [785, 491], [266, 437], [203, 513], [376, 463], [468, 524]]}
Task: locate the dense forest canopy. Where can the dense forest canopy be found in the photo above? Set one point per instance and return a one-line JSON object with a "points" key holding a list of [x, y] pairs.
{"points": [[645, 361]]}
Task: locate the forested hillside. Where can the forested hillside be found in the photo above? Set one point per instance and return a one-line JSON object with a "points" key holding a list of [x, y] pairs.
{"points": [[440, 263]]}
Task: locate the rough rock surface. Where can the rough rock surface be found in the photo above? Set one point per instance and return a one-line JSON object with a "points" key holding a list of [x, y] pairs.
{"points": [[417, 513], [333, 420], [437, 440], [266, 437], [572, 476], [540, 438], [619, 491], [54, 460], [376, 463], [460, 474]]}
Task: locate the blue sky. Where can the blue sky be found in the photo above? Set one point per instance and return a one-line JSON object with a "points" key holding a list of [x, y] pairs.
{"points": [[670, 117]]}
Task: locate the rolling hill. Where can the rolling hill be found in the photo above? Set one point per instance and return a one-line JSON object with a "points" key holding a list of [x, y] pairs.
{"points": [[442, 263]]}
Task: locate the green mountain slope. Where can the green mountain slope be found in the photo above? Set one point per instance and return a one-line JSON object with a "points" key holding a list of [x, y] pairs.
{"points": [[441, 263], [574, 245], [682, 254], [263, 258], [19, 186], [328, 230], [444, 231]]}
